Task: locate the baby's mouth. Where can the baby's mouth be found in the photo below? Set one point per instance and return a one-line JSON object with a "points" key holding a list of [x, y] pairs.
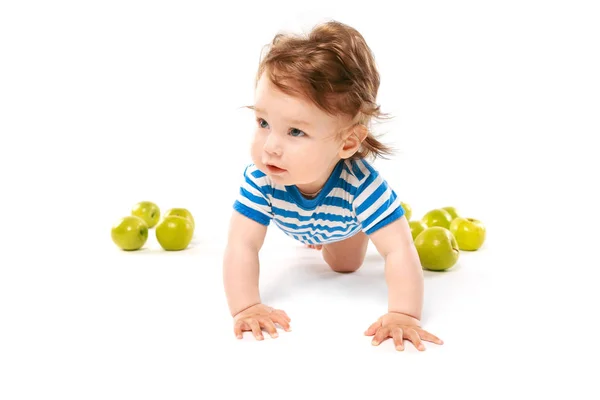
{"points": [[274, 169]]}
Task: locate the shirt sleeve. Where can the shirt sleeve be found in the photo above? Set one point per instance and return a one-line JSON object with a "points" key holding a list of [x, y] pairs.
{"points": [[375, 203], [253, 200]]}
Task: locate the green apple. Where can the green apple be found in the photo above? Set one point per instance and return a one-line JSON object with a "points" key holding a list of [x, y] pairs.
{"points": [[148, 211], [469, 233], [452, 211], [437, 217], [416, 227], [437, 248], [130, 233], [174, 233], [407, 210], [181, 212]]}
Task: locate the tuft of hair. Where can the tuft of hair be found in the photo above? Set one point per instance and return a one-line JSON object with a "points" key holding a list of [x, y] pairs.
{"points": [[333, 67]]}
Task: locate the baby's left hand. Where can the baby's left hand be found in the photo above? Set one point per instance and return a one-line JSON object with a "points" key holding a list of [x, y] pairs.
{"points": [[399, 326]]}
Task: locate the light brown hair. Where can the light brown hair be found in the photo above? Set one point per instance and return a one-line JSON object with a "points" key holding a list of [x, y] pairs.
{"points": [[335, 69]]}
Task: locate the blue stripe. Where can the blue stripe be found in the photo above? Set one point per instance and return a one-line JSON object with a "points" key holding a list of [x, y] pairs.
{"points": [[346, 186], [257, 173], [369, 167], [282, 195], [337, 202], [357, 172], [261, 189], [285, 196], [345, 168], [302, 228], [317, 238], [397, 214], [308, 234], [328, 201], [253, 198], [320, 238], [312, 229], [384, 207], [336, 237], [366, 184], [316, 216], [372, 198], [250, 213], [323, 237]]}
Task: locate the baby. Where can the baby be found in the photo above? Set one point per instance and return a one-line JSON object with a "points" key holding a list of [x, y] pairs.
{"points": [[314, 99]]}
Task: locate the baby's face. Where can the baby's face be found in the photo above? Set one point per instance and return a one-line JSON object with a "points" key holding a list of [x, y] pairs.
{"points": [[295, 143]]}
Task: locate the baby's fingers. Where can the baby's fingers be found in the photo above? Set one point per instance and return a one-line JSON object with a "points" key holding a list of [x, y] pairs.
{"points": [[269, 327], [282, 321], [282, 313], [238, 329], [380, 336], [413, 336], [398, 335], [256, 329], [429, 337], [373, 328]]}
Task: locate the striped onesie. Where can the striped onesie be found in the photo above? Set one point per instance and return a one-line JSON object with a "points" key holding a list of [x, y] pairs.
{"points": [[354, 198]]}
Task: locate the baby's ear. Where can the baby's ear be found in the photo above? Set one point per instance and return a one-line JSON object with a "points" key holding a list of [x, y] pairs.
{"points": [[353, 139]]}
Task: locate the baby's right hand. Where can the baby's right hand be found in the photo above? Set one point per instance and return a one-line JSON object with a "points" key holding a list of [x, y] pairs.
{"points": [[260, 316]]}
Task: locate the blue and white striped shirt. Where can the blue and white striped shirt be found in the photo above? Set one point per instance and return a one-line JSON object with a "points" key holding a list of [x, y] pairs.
{"points": [[354, 198]]}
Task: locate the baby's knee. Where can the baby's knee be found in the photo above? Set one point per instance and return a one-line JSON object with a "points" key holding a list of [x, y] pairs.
{"points": [[344, 264]]}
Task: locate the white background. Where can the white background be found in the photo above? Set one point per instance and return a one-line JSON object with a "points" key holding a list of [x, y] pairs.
{"points": [[104, 104]]}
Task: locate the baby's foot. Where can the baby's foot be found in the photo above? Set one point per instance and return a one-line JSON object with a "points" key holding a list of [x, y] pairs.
{"points": [[315, 246]]}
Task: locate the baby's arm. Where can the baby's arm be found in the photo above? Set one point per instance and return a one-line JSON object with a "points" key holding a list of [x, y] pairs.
{"points": [[241, 263], [240, 276], [404, 277], [403, 271]]}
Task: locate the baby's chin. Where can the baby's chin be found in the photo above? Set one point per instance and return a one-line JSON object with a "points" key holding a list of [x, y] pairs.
{"points": [[280, 179]]}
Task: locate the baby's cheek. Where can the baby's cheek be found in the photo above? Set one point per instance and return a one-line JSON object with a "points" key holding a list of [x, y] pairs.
{"points": [[257, 159], [256, 147]]}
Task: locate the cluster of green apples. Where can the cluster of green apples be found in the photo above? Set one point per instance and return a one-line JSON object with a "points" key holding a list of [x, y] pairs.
{"points": [[174, 231], [440, 235]]}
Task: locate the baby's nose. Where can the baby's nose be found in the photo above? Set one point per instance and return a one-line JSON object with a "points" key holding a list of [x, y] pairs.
{"points": [[272, 145]]}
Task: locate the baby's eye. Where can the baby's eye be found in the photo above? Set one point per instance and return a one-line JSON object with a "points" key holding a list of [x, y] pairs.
{"points": [[296, 132], [262, 123]]}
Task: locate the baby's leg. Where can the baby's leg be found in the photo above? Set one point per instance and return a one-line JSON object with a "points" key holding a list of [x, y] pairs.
{"points": [[346, 255]]}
